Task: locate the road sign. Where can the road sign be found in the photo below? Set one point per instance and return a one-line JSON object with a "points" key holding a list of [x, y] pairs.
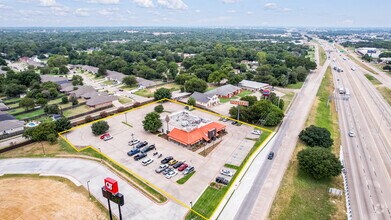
{"points": [[236, 102], [111, 185]]}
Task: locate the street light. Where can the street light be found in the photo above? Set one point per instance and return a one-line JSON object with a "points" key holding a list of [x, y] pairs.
{"points": [[191, 210], [88, 187]]}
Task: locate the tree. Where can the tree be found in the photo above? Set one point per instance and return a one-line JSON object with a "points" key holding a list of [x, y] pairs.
{"points": [[77, 80], [88, 118], [102, 71], [57, 61], [14, 90], [130, 81], [319, 163], [301, 73], [41, 132], [195, 85], [41, 101], [159, 108], [162, 93], [63, 70], [216, 77], [63, 124], [27, 103], [277, 101], [387, 67], [99, 127], [73, 100], [64, 100], [191, 101], [250, 98], [152, 122], [316, 136], [51, 109]]}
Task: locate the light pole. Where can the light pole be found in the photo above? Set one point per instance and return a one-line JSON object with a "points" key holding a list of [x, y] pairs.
{"points": [[88, 187], [191, 210], [133, 140]]}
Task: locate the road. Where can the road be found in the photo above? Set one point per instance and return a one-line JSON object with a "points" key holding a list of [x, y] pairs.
{"points": [[255, 192], [367, 155], [79, 171]]}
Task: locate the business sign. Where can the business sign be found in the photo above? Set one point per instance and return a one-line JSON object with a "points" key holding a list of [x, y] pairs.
{"points": [[111, 185], [266, 92], [237, 102], [116, 198]]}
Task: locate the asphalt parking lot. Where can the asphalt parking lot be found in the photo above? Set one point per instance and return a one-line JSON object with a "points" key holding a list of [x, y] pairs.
{"points": [[207, 168]]}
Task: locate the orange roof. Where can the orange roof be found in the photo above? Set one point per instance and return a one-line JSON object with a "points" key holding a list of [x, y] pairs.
{"points": [[194, 136]]}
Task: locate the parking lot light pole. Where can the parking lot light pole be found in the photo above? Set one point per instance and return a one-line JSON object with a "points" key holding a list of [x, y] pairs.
{"points": [[191, 210], [88, 187]]}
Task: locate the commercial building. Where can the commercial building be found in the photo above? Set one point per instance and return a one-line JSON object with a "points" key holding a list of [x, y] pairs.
{"points": [[253, 85]]}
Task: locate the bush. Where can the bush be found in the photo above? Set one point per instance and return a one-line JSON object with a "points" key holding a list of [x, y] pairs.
{"points": [[99, 127], [52, 138], [159, 108], [316, 136], [319, 163], [64, 100], [88, 119], [73, 100], [51, 109], [191, 101], [104, 114], [152, 122], [162, 93], [121, 109]]}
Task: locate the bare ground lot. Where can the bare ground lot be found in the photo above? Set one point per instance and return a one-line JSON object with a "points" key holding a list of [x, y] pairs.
{"points": [[45, 198], [207, 167]]}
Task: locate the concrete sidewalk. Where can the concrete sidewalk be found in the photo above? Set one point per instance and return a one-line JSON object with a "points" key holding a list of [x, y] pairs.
{"points": [[137, 206]]}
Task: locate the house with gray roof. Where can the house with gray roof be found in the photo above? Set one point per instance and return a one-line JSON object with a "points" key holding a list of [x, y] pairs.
{"points": [[205, 100], [253, 85], [3, 106], [9, 126], [81, 90], [101, 101], [226, 91]]}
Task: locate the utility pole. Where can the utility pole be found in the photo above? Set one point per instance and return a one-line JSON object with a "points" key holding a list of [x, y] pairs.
{"points": [[88, 187]]}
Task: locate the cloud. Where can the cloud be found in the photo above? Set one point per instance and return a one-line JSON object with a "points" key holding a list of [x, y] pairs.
{"points": [[197, 11], [48, 2], [231, 11], [230, 1], [106, 2], [348, 21], [144, 3], [286, 9], [82, 12], [172, 4], [249, 12], [2, 6], [60, 10], [270, 6], [108, 11]]}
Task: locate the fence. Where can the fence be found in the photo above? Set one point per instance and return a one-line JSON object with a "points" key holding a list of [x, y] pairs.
{"points": [[14, 146], [5, 136]]}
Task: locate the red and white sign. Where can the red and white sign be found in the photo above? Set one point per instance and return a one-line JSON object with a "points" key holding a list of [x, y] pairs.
{"points": [[236, 102], [266, 92], [111, 185]]}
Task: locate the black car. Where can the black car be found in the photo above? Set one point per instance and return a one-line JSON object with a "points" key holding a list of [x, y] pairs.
{"points": [[141, 144], [270, 156], [167, 159], [178, 164], [149, 148], [221, 180], [234, 122], [140, 156]]}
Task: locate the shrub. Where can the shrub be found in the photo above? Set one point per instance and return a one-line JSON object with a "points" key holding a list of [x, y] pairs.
{"points": [[88, 119], [99, 127], [316, 136], [159, 108]]}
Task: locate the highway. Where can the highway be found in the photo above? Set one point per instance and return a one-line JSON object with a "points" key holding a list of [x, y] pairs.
{"points": [[255, 192], [367, 155]]}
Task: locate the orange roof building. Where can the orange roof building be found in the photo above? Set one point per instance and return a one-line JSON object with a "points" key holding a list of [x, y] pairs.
{"points": [[197, 135]]}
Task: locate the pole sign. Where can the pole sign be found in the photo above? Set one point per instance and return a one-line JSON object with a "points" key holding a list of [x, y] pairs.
{"points": [[117, 198], [236, 102], [266, 92], [111, 185]]}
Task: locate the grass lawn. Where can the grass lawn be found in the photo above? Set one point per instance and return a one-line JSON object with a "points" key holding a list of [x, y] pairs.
{"points": [[210, 88], [322, 56], [11, 100], [144, 93], [297, 85], [30, 114], [287, 99], [185, 178], [244, 93], [75, 111], [127, 88], [211, 197], [386, 92], [373, 80], [108, 82], [238, 96], [13, 105], [300, 196], [171, 86], [125, 100], [311, 54], [16, 110]]}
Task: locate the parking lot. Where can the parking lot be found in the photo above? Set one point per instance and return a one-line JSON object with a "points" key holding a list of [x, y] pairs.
{"points": [[232, 149]]}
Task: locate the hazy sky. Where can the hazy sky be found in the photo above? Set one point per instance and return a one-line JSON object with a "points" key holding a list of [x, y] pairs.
{"points": [[302, 13]]}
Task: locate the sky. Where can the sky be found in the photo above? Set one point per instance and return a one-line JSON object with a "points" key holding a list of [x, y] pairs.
{"points": [[195, 13]]}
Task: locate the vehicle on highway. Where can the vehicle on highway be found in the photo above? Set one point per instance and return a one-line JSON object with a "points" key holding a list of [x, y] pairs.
{"points": [[161, 168], [351, 133], [353, 68], [188, 170], [140, 156], [171, 174], [141, 144], [226, 173], [134, 151], [270, 156], [222, 180], [147, 161], [341, 90], [183, 167], [175, 166], [148, 148], [133, 142], [172, 162], [167, 170], [256, 132], [167, 159]]}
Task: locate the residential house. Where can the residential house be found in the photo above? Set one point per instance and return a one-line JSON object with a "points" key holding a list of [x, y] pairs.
{"points": [[9, 125], [3, 106], [101, 101], [205, 100], [115, 76], [253, 85], [226, 91], [81, 90]]}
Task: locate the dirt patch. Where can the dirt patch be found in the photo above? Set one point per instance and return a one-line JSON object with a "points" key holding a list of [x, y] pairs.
{"points": [[46, 198]]}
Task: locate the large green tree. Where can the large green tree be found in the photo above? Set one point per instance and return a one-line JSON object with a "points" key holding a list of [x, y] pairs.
{"points": [[152, 122], [130, 81], [316, 136], [195, 85], [162, 93], [63, 124], [99, 127], [27, 103], [42, 132], [77, 80]]}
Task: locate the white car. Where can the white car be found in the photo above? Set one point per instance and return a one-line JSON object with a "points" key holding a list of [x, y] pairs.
{"points": [[226, 173], [147, 161], [351, 134], [171, 174], [107, 137], [256, 132], [133, 142]]}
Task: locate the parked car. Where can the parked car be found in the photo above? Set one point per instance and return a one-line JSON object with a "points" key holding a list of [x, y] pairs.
{"points": [[172, 162], [225, 119], [270, 156], [148, 148], [167, 159], [256, 132], [104, 135], [183, 167], [134, 151], [226, 173], [167, 170], [140, 156], [142, 144], [161, 168], [222, 180], [188, 170], [108, 137], [234, 122], [133, 142], [178, 164], [147, 161], [171, 174]]}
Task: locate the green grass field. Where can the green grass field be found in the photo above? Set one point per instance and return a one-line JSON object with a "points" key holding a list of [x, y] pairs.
{"points": [[297, 85], [185, 178], [144, 93], [373, 80], [386, 92], [30, 114], [75, 111], [322, 56]]}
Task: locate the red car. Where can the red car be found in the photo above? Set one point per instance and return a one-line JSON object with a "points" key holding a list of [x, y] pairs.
{"points": [[183, 167], [105, 135]]}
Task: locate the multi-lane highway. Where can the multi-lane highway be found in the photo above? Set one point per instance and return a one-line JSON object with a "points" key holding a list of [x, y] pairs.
{"points": [[367, 155]]}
